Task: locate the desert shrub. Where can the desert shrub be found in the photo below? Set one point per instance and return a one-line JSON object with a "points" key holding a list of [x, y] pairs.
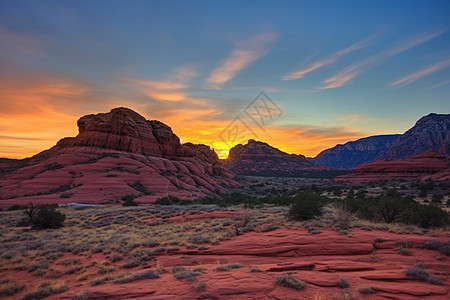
{"points": [[101, 280], [379, 240], [200, 287], [151, 243], [149, 274], [418, 272], [105, 269], [255, 270], [198, 239], [130, 264], [43, 216], [242, 221], [436, 198], [39, 265], [74, 270], [443, 247], [169, 200], [142, 255], [342, 215], [116, 258], [367, 290], [9, 287], [186, 274], [389, 209], [200, 270], [228, 267], [69, 261], [46, 289], [426, 216], [81, 296], [268, 228], [129, 201], [404, 251], [343, 283], [306, 206], [290, 281], [177, 269], [53, 255]]}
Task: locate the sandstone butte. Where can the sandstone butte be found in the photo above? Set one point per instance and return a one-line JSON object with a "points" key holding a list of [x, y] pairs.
{"points": [[428, 165], [319, 260], [259, 158], [115, 154]]}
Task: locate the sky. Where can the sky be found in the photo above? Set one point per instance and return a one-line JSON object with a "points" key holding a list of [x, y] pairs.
{"points": [[302, 76]]}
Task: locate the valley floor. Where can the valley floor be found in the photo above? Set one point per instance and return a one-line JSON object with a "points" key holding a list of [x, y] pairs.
{"points": [[205, 252]]}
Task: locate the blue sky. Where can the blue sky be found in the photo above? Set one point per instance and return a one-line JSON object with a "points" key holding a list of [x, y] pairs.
{"points": [[338, 70]]}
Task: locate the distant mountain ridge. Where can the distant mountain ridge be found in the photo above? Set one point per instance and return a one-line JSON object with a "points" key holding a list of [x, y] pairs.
{"points": [[351, 154], [430, 133]]}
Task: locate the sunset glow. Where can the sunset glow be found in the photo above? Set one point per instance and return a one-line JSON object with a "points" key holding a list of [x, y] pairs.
{"points": [[337, 72]]}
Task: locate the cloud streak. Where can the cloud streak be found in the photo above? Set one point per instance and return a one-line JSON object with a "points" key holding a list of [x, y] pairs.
{"points": [[349, 73], [421, 73], [167, 90], [324, 62], [239, 59]]}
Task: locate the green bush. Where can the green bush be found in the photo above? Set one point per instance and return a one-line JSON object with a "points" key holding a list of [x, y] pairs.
{"points": [[128, 200], [425, 216], [43, 216], [306, 206], [48, 217]]}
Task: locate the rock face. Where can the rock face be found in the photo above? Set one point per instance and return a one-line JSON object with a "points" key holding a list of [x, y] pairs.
{"points": [[428, 165], [261, 159], [115, 154], [431, 132], [352, 154], [321, 261]]}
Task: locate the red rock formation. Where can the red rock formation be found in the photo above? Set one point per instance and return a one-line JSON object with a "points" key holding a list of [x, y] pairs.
{"points": [[422, 166], [116, 154], [321, 261], [259, 158]]}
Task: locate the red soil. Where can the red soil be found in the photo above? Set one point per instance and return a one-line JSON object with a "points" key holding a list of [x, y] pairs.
{"points": [[319, 260]]}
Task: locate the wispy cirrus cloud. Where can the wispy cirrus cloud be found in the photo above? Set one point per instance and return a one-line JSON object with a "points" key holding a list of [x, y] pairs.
{"points": [[421, 73], [325, 62], [240, 58], [349, 73], [440, 84]]}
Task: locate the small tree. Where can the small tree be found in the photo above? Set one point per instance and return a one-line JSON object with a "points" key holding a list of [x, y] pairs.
{"points": [[48, 217], [389, 209], [43, 216], [30, 212], [306, 206]]}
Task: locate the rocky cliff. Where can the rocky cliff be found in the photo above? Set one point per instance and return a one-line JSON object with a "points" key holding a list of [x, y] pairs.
{"points": [[352, 154], [431, 132], [115, 154]]}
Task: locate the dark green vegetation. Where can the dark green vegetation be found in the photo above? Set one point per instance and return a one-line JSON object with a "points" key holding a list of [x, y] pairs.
{"points": [[42, 216], [391, 207], [129, 201]]}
